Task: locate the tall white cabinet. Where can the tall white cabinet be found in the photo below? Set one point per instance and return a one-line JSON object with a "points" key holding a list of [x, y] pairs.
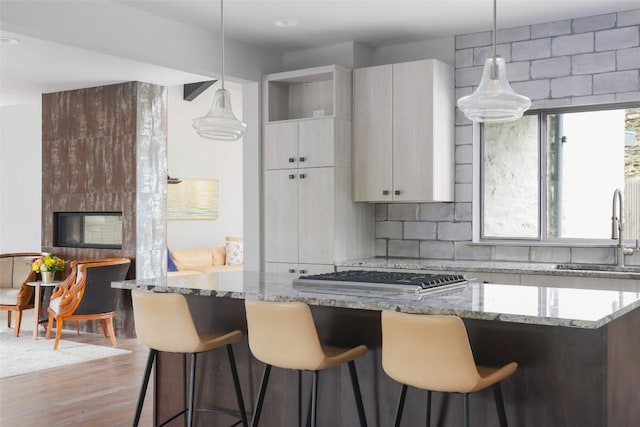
{"points": [[310, 219], [403, 125]]}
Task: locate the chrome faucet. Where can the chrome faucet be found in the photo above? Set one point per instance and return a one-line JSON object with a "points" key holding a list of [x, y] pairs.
{"points": [[617, 228]]}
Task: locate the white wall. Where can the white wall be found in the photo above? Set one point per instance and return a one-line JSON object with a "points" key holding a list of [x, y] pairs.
{"points": [[252, 173], [191, 156], [339, 53], [442, 49], [20, 177], [357, 55]]}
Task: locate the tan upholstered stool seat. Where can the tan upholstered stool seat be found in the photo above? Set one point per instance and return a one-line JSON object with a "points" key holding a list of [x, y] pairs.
{"points": [[433, 353], [164, 323], [283, 334]]}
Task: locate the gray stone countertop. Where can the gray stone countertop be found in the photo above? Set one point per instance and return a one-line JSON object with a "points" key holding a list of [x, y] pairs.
{"points": [[487, 267], [540, 305]]}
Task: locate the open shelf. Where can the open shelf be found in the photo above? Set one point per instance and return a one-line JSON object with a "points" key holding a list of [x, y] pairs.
{"points": [[313, 92]]}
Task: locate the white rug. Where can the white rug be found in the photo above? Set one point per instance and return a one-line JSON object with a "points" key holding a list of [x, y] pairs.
{"points": [[24, 354]]}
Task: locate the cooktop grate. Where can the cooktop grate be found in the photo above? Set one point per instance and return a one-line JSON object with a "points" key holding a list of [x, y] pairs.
{"points": [[390, 281]]}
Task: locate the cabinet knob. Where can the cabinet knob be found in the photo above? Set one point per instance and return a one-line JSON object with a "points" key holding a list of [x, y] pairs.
{"points": [[292, 176], [291, 270], [303, 271], [397, 192], [292, 159], [385, 192], [302, 159], [302, 176]]}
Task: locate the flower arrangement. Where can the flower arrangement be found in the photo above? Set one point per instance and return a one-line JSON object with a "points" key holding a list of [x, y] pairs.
{"points": [[48, 262]]}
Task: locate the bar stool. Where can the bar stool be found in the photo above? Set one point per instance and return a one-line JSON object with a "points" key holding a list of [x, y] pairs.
{"points": [[164, 323], [283, 334], [433, 353]]}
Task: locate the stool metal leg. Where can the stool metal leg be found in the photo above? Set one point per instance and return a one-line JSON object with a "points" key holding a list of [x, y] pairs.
{"points": [[236, 384], [502, 415], [263, 389], [314, 398], [143, 388], [356, 393], [192, 389], [185, 391], [466, 410], [403, 395], [299, 398], [428, 408]]}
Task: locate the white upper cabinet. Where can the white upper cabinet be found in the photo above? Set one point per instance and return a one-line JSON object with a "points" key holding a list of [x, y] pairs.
{"points": [[372, 133], [300, 144], [281, 145], [403, 121]]}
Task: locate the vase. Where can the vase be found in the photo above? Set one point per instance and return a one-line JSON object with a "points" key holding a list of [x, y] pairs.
{"points": [[47, 276]]}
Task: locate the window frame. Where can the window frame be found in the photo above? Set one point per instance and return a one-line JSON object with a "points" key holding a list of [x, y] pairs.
{"points": [[542, 238]]}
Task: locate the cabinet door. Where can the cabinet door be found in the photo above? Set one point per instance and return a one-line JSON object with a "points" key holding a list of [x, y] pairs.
{"points": [[281, 216], [316, 195], [372, 134], [316, 143], [281, 145], [412, 131]]}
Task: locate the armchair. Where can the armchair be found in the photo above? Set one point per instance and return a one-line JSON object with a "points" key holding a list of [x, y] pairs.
{"points": [[15, 294], [86, 294]]}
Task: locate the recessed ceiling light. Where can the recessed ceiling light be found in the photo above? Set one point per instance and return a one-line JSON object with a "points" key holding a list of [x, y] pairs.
{"points": [[9, 40], [285, 23]]}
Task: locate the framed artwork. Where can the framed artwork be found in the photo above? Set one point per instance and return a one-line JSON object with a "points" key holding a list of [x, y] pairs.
{"points": [[193, 199]]}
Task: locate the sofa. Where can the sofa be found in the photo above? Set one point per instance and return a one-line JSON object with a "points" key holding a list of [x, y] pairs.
{"points": [[207, 260]]}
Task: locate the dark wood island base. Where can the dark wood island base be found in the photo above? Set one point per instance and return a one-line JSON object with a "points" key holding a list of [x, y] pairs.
{"points": [[567, 377]]}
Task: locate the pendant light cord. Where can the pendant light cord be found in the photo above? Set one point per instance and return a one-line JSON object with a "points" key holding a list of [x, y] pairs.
{"points": [[494, 68], [222, 32]]}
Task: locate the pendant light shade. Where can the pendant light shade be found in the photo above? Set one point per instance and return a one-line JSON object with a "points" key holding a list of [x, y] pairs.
{"points": [[494, 100], [220, 123]]}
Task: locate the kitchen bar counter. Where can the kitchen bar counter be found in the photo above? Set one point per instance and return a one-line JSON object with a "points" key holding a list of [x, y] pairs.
{"points": [[538, 305], [545, 269], [576, 349]]}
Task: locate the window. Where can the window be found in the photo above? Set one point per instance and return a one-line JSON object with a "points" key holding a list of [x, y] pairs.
{"points": [[551, 175]]}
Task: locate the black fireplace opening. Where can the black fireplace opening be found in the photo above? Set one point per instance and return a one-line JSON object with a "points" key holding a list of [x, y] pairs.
{"points": [[101, 230]]}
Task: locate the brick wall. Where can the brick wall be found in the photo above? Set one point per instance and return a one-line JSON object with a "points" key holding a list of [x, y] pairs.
{"points": [[583, 61]]}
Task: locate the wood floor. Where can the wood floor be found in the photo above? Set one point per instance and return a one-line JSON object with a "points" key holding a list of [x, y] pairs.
{"points": [[97, 393]]}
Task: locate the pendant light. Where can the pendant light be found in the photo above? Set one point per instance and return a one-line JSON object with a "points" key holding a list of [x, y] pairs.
{"points": [[494, 100], [220, 123]]}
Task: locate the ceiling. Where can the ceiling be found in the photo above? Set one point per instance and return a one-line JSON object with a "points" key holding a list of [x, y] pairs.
{"points": [[37, 66], [373, 22]]}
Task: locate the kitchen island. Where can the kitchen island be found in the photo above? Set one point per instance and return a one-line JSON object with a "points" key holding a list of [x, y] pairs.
{"points": [[576, 349]]}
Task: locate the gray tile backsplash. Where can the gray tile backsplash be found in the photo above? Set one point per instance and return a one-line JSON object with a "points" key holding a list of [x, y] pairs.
{"points": [[583, 61]]}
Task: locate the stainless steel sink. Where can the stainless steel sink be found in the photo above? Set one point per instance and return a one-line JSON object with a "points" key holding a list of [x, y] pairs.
{"points": [[599, 267]]}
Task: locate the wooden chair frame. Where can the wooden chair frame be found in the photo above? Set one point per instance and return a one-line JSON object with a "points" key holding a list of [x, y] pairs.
{"points": [[71, 292], [25, 295]]}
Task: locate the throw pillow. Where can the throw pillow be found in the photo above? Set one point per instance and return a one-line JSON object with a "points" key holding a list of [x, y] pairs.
{"points": [[234, 252], [171, 266]]}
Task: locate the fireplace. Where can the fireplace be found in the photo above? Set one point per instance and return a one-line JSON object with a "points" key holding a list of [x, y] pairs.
{"points": [[102, 230]]}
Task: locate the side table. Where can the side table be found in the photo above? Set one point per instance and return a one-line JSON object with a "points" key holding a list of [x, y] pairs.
{"points": [[36, 303]]}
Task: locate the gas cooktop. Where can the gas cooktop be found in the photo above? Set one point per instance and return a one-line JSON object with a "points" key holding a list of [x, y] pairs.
{"points": [[381, 281]]}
